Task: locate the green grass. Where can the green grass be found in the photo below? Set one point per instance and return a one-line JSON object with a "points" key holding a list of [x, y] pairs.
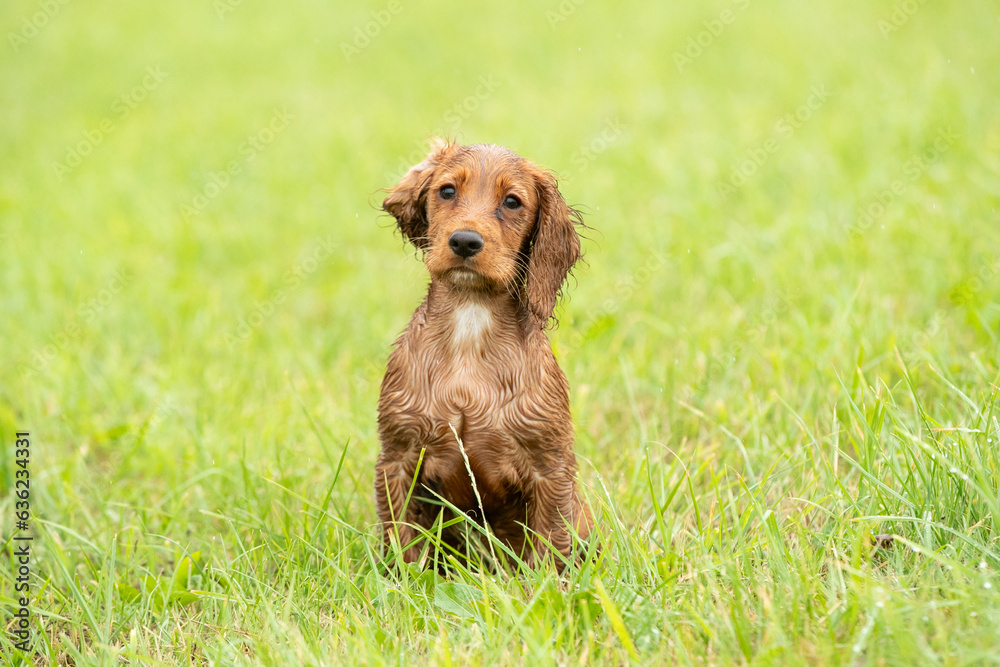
{"points": [[763, 377]]}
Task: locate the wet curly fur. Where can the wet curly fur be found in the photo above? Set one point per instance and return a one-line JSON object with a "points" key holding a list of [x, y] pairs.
{"points": [[475, 366]]}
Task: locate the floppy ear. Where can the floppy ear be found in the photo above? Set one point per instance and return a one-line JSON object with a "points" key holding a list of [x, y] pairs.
{"points": [[407, 201], [555, 247]]}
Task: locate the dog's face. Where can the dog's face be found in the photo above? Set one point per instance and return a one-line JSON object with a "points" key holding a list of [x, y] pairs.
{"points": [[488, 220], [481, 207]]}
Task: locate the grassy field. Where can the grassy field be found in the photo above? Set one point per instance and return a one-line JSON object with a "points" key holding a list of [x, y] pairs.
{"points": [[785, 340]]}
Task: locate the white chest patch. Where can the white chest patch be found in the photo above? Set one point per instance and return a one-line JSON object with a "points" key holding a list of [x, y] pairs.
{"points": [[472, 322]]}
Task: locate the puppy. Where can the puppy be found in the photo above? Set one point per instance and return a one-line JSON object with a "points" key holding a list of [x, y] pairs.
{"points": [[472, 384]]}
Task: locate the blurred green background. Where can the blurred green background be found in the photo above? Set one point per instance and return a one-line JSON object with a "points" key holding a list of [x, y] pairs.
{"points": [[199, 292]]}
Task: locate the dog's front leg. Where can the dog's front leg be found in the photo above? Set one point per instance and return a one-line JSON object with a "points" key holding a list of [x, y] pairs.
{"points": [[394, 477], [551, 508]]}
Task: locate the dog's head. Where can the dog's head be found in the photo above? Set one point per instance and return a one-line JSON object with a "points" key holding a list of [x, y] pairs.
{"points": [[488, 220]]}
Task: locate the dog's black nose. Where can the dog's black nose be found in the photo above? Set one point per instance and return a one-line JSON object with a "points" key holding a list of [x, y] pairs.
{"points": [[465, 243]]}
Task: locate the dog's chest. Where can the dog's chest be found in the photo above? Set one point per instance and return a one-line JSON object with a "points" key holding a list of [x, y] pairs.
{"points": [[477, 369], [471, 326], [476, 387]]}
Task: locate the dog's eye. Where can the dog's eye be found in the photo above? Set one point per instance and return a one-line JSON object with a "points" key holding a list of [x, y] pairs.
{"points": [[447, 192], [511, 202]]}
